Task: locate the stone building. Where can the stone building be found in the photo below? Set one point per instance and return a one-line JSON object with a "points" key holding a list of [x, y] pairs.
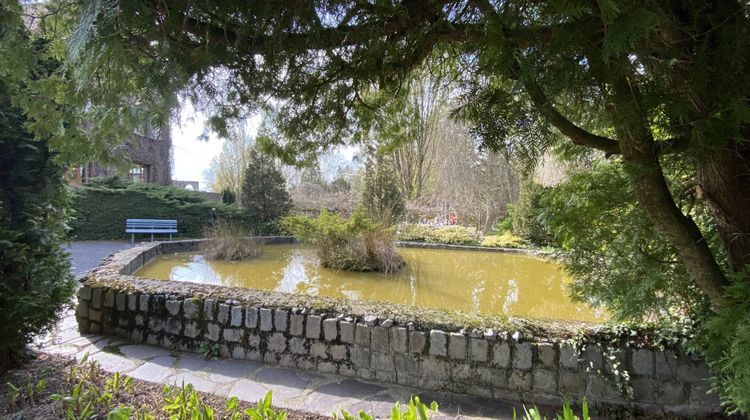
{"points": [[148, 157]]}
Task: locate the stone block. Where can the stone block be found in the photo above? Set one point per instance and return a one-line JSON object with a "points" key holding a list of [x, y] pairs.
{"points": [[330, 329], [523, 357], [120, 301], [84, 293], [319, 350], [82, 311], [253, 341], [209, 309], [438, 343], [379, 339], [702, 395], [251, 318], [407, 364], [501, 354], [457, 346], [691, 371], [132, 302], [297, 345], [385, 375], [345, 370], [143, 302], [645, 389], [236, 316], [270, 358], [173, 326], [95, 315], [568, 357], [362, 335], [140, 320], [222, 317], [296, 325], [462, 374], [598, 389], [155, 324], [399, 339], [313, 326], [109, 299], [192, 329], [417, 341], [478, 349], [190, 309], [96, 298], [519, 381], [671, 393], [326, 367], [665, 364], [360, 356], [306, 364], [434, 372], [136, 336], [213, 331], [572, 384], [547, 355], [382, 361], [347, 332], [238, 352], [254, 355], [492, 377], [280, 319], [266, 319], [233, 335], [545, 381], [277, 342], [173, 307], [643, 362], [338, 352], [593, 357]]}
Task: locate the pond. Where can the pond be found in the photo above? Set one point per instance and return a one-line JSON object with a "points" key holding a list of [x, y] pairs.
{"points": [[471, 281]]}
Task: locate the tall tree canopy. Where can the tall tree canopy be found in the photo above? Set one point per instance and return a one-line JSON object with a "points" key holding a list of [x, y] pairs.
{"points": [[644, 80]]}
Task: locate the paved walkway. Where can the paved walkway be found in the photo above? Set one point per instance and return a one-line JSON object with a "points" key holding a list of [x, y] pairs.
{"points": [[249, 381]]}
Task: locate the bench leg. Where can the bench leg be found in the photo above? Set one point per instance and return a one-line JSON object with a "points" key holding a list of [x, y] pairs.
{"points": [[152, 237], [132, 238], [170, 236]]}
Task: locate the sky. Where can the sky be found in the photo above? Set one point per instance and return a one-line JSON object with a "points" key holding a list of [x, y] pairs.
{"points": [[192, 156]]}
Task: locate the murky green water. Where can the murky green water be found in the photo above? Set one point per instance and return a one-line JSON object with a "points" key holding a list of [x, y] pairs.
{"points": [[472, 281]]}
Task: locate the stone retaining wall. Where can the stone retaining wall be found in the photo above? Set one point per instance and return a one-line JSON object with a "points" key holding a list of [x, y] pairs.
{"points": [[375, 341]]}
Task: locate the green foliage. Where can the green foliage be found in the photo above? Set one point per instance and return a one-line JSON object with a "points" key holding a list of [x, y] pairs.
{"points": [[567, 413], [209, 350], [102, 207], [263, 410], [449, 235], [381, 197], [505, 240], [34, 208], [414, 410], [228, 196], [526, 216], [264, 196], [615, 255], [182, 403], [229, 241], [353, 244], [725, 340]]}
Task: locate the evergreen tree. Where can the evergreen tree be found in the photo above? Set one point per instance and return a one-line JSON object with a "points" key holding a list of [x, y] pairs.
{"points": [[381, 197], [264, 194], [35, 277]]}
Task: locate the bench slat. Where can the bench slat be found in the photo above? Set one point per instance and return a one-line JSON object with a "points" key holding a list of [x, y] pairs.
{"points": [[151, 226]]}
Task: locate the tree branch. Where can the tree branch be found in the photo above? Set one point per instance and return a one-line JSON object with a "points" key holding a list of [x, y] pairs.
{"points": [[575, 133]]}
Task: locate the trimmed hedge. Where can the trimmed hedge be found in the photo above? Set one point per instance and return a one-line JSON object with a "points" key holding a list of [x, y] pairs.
{"points": [[100, 210]]}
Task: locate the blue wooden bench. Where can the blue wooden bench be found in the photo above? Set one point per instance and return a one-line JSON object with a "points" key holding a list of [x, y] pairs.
{"points": [[133, 226]]}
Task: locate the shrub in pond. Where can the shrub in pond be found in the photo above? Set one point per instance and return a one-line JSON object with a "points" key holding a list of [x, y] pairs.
{"points": [[504, 240], [353, 244], [450, 235], [229, 241]]}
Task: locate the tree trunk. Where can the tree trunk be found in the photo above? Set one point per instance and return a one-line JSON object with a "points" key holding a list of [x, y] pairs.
{"points": [[652, 192], [724, 185]]}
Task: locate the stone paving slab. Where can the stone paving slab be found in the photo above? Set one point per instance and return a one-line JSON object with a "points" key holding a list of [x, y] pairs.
{"points": [[249, 381]]}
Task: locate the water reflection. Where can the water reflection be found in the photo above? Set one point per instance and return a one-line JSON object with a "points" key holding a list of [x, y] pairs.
{"points": [[484, 282]]}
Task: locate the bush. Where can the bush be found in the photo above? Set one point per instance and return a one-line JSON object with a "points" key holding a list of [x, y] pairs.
{"points": [[102, 207], [381, 198], [449, 235], [354, 244], [505, 240], [527, 218], [35, 272], [229, 241]]}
